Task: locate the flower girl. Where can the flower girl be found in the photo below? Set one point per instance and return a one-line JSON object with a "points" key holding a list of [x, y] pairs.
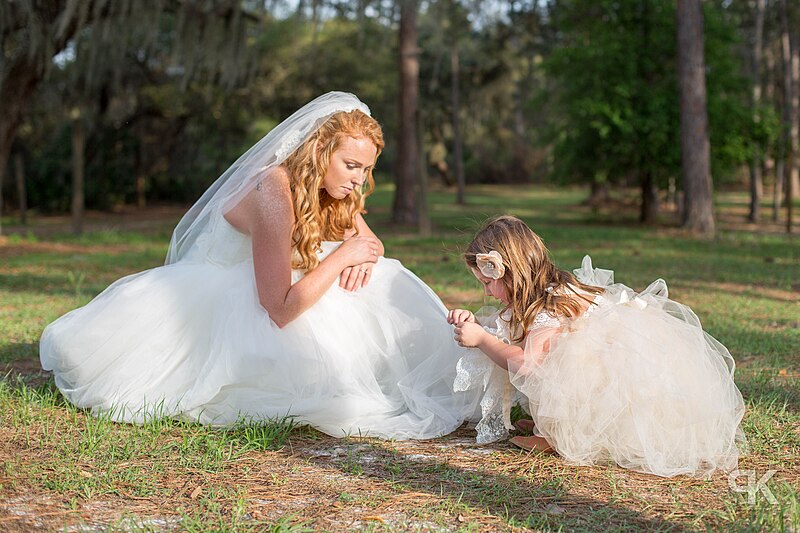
{"points": [[607, 374]]}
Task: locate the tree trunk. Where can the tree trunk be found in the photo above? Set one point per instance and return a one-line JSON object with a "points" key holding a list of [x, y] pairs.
{"points": [[768, 81], [404, 210], [22, 193], [790, 112], [16, 91], [599, 193], [141, 190], [650, 204], [777, 191], [756, 183], [22, 72], [361, 18], [78, 167], [314, 52], [458, 156], [520, 172], [793, 176], [424, 214], [7, 132], [756, 189], [2, 174], [699, 214]]}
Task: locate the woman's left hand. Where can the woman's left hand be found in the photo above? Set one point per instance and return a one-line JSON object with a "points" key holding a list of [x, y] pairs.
{"points": [[469, 334], [355, 277]]}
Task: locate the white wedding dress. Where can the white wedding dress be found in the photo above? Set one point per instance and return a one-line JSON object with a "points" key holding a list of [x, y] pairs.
{"points": [[191, 340]]}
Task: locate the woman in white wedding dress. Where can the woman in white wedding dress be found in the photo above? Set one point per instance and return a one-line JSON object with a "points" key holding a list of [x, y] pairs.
{"points": [[275, 301]]}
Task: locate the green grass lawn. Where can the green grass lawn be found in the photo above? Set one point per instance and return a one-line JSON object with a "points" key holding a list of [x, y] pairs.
{"points": [[62, 468]]}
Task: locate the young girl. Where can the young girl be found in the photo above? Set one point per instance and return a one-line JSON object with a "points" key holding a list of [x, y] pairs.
{"points": [[608, 374]]}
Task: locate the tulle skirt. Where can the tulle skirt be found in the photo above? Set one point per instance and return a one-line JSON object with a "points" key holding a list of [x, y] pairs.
{"points": [[191, 340], [636, 381]]}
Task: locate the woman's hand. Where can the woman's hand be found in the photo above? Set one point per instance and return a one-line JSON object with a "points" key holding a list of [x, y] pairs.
{"points": [[355, 277], [358, 250], [469, 334], [360, 253], [454, 316]]}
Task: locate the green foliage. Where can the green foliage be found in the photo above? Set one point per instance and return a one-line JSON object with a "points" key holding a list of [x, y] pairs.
{"points": [[615, 83], [499, 55], [571, 90], [300, 62]]}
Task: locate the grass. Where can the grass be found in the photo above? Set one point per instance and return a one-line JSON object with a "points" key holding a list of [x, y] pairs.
{"points": [[62, 468]]}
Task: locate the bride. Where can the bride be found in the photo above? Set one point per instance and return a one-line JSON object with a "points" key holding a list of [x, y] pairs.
{"points": [[247, 321]]}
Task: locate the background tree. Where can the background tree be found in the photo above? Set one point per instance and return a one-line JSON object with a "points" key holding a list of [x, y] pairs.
{"points": [[614, 85], [756, 181], [563, 91], [91, 40], [699, 210], [405, 209], [791, 77]]}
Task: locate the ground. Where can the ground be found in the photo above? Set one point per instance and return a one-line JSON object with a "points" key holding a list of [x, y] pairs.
{"points": [[63, 469]]}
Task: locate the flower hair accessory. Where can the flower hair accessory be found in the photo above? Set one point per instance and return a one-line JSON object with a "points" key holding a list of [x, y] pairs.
{"points": [[491, 264]]}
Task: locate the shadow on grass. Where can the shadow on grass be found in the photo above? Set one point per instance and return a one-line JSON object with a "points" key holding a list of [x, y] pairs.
{"points": [[23, 356], [542, 505], [49, 285], [762, 389], [26, 282]]}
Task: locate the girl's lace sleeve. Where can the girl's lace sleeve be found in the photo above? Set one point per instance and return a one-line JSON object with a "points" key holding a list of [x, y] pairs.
{"points": [[545, 320], [475, 370]]}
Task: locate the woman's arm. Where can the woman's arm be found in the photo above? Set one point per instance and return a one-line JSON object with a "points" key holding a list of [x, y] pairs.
{"points": [[353, 278], [267, 214], [365, 231]]}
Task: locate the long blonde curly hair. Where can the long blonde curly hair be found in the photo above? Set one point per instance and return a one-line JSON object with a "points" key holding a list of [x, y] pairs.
{"points": [[318, 216], [529, 273]]}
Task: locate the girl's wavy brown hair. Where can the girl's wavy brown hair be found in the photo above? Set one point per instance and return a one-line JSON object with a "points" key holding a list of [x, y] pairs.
{"points": [[529, 273], [317, 216]]}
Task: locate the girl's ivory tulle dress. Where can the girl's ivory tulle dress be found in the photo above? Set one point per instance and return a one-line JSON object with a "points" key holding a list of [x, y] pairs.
{"points": [[190, 340], [634, 381]]}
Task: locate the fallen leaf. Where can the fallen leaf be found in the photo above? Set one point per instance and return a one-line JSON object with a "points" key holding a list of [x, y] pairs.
{"points": [[196, 492]]}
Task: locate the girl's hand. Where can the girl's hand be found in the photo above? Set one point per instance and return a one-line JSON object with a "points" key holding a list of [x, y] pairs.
{"points": [[355, 277], [460, 315], [358, 250], [469, 334]]}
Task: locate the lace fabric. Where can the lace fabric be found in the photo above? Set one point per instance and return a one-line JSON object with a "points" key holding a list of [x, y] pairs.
{"points": [[475, 371]]}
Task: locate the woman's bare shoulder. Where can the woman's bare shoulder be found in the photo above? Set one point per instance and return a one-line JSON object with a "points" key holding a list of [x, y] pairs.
{"points": [[269, 202]]}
